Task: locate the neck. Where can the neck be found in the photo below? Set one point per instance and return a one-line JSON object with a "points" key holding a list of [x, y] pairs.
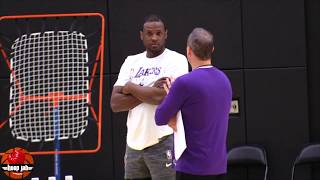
{"points": [[152, 54], [199, 63]]}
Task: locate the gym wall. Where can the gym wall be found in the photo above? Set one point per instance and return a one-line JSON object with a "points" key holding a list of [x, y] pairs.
{"points": [[266, 48]]}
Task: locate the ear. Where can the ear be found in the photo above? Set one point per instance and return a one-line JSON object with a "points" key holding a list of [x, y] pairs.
{"points": [[166, 34], [189, 51], [141, 35], [212, 49]]}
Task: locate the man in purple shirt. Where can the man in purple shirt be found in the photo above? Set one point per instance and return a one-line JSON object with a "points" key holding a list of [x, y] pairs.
{"points": [[204, 98]]}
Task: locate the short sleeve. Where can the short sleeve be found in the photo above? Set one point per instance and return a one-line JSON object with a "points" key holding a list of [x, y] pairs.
{"points": [[179, 66], [124, 74]]}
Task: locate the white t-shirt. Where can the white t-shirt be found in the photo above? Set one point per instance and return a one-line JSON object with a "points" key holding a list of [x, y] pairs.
{"points": [[139, 69]]}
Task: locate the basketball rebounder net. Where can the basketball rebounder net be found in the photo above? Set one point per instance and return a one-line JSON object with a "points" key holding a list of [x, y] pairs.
{"points": [[55, 62]]}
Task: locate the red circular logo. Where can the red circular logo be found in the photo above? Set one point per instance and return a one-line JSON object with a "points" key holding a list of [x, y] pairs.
{"points": [[17, 163]]}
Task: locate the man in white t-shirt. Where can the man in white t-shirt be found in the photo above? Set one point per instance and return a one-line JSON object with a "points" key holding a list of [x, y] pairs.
{"points": [[139, 90]]}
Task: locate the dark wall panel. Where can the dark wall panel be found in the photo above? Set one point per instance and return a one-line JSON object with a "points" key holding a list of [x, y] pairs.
{"points": [[220, 17], [4, 69], [119, 125], [277, 115], [237, 122], [313, 64], [313, 44], [274, 33]]}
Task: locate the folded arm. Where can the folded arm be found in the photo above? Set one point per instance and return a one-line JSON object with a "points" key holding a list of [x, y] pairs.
{"points": [[122, 102], [127, 97], [150, 95]]}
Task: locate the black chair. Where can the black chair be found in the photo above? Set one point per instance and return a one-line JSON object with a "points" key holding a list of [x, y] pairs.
{"points": [[248, 155], [308, 155]]}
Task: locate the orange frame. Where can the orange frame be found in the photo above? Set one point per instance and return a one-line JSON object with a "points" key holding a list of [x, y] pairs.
{"points": [[99, 56]]}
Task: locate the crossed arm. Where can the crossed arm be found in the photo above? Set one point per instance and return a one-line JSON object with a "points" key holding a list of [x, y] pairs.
{"points": [[130, 95]]}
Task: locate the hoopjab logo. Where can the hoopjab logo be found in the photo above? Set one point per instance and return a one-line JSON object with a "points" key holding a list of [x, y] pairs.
{"points": [[17, 163]]}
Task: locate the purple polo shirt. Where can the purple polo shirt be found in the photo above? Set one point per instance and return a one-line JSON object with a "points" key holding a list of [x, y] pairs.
{"points": [[204, 98]]}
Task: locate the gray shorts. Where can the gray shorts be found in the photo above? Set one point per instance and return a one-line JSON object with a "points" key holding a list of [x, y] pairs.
{"points": [[154, 161]]}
